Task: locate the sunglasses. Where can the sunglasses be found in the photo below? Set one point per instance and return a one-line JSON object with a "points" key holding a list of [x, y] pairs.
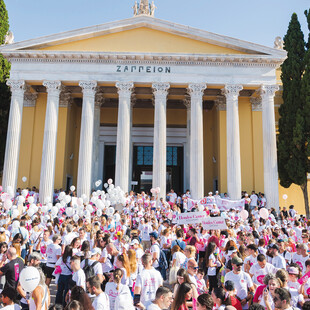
{"points": [[196, 268]]}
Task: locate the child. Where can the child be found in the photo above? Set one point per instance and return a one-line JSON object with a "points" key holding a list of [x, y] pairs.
{"points": [[202, 287]]}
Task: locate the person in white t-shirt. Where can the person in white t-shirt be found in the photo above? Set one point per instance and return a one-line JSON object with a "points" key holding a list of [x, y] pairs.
{"points": [[254, 200], [303, 257], [172, 197], [94, 261], [260, 269], [101, 301], [78, 274], [53, 253], [163, 299], [147, 283], [278, 260], [243, 283], [155, 249]]}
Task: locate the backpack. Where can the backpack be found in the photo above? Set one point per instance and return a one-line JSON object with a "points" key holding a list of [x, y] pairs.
{"points": [[162, 261], [89, 269]]}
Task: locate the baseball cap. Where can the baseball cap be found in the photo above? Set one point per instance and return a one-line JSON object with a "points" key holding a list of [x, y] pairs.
{"points": [[134, 241], [231, 251], [274, 246], [154, 234], [292, 270], [237, 261], [95, 251]]}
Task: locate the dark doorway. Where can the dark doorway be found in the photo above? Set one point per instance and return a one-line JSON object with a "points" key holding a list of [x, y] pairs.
{"points": [[109, 162]]}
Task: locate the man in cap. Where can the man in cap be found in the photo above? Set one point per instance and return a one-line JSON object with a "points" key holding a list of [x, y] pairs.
{"points": [[243, 283], [278, 260]]}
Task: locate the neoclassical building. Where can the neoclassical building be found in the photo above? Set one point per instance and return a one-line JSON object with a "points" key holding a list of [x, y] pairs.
{"points": [[146, 102]]}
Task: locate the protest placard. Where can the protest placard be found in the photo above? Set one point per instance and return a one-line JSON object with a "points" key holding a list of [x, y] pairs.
{"points": [[191, 217], [226, 205], [214, 223]]}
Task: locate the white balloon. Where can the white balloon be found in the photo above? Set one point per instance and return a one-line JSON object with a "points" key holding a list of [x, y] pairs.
{"points": [[10, 191], [285, 197], [15, 224], [90, 209], [44, 209], [75, 217], [69, 211], [67, 199], [110, 181], [24, 193], [79, 201], [30, 212], [46, 218], [94, 199], [21, 199], [29, 279], [85, 198], [72, 188], [15, 213], [24, 179], [58, 205], [54, 210], [49, 206], [99, 212], [110, 211], [8, 204], [62, 203], [117, 217], [80, 213], [61, 196], [111, 186], [106, 185], [30, 199], [107, 203], [86, 213], [47, 199]]}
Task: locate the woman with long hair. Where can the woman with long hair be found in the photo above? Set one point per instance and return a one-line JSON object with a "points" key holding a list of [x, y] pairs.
{"points": [[78, 294], [65, 275], [74, 305], [183, 294], [205, 302], [221, 298], [116, 288], [212, 263], [122, 263], [85, 248], [75, 244], [178, 258], [133, 264]]}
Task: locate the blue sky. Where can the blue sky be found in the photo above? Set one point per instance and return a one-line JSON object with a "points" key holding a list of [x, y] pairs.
{"points": [[257, 21]]}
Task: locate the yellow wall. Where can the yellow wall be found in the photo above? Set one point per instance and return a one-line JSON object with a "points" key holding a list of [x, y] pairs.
{"points": [[108, 116], [26, 147], [142, 40], [37, 140]]}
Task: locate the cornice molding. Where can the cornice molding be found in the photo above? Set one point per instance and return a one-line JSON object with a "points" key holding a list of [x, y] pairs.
{"points": [[132, 58]]}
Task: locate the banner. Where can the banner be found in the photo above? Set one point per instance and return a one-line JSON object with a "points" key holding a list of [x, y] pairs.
{"points": [[214, 223], [191, 217], [226, 205]]}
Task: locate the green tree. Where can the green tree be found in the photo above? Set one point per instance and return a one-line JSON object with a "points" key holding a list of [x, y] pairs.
{"points": [[5, 94], [292, 140]]}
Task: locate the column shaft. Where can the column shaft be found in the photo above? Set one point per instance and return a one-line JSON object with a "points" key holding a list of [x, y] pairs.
{"points": [[271, 186], [123, 135], [233, 141], [86, 138], [160, 138], [196, 141], [11, 159], [50, 140]]}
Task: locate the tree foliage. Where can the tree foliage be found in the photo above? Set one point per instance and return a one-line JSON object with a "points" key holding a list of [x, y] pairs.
{"points": [[4, 89], [294, 133]]}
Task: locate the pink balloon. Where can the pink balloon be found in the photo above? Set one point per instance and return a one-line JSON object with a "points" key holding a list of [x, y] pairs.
{"points": [[244, 214], [263, 212]]}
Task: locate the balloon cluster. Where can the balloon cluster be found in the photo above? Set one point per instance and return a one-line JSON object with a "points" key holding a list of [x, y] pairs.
{"points": [[155, 191]]}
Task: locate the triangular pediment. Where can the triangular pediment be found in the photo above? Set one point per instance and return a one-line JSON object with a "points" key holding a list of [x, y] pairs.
{"points": [[143, 34]]}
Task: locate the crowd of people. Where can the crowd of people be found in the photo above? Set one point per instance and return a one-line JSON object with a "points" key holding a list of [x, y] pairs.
{"points": [[135, 255]]}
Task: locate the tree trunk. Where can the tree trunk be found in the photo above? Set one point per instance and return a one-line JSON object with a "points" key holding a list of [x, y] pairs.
{"points": [[304, 189]]}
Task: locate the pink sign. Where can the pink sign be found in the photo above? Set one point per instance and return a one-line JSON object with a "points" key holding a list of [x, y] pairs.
{"points": [[304, 278]]}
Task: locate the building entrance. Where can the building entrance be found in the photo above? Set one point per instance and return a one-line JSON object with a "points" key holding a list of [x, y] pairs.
{"points": [[143, 168]]}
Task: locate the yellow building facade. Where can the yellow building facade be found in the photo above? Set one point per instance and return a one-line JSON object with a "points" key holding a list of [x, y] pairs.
{"points": [[145, 102]]}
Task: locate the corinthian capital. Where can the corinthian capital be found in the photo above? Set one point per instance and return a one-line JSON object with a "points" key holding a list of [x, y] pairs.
{"points": [[160, 89], [256, 103], [30, 99], [196, 89], [124, 88], [268, 90], [220, 103], [52, 87], [187, 101], [89, 88], [231, 91], [65, 99], [16, 85]]}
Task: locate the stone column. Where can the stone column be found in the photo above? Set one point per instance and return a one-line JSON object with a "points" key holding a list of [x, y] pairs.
{"points": [[123, 135], [271, 186], [11, 159], [160, 91], [233, 141], [53, 89], [99, 100], [187, 103], [86, 138], [196, 92]]}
